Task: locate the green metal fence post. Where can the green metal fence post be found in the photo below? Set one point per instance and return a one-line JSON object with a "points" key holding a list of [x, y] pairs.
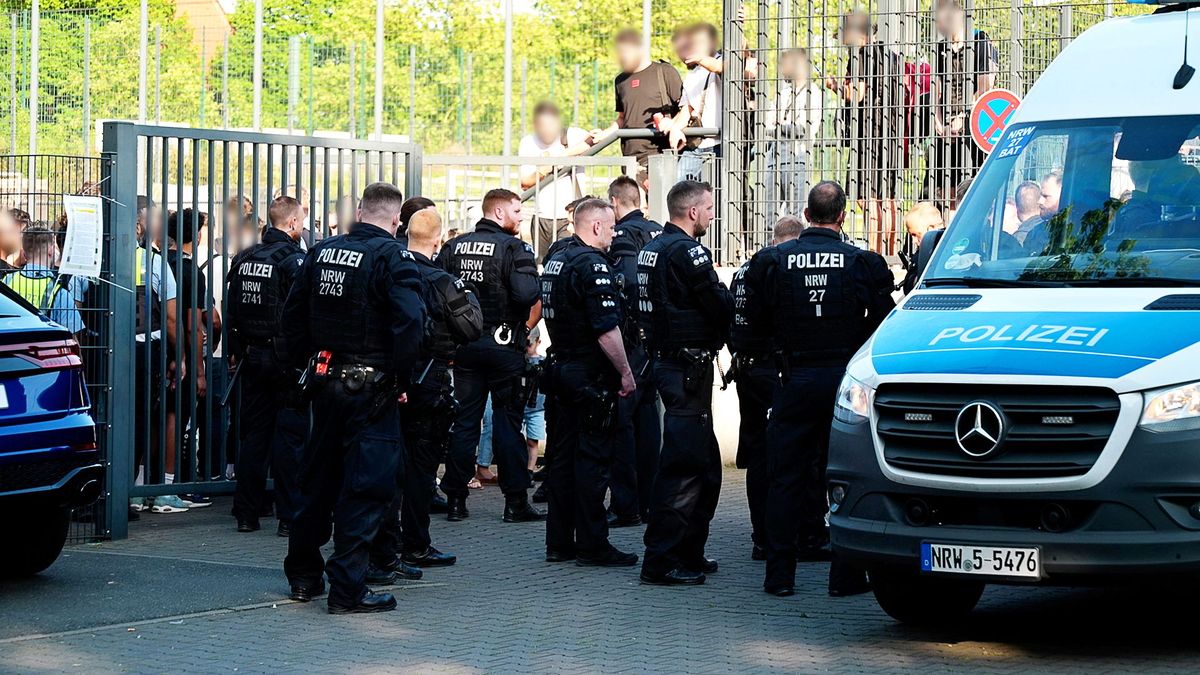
{"points": [[120, 147]]}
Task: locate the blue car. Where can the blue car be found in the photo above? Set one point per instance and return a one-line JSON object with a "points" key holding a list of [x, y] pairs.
{"points": [[49, 461]]}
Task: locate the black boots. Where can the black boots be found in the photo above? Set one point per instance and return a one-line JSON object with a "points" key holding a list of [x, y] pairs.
{"points": [[456, 510], [517, 509]]}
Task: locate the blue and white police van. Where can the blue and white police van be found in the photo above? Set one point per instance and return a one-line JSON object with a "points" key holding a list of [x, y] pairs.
{"points": [[1030, 414]]}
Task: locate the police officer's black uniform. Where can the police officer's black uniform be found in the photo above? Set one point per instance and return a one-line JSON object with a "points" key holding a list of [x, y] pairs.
{"points": [[685, 311], [358, 298], [757, 376], [501, 270], [581, 301], [641, 431], [818, 298], [454, 319], [273, 420]]}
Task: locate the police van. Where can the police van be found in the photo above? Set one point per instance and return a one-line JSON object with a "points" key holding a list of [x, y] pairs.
{"points": [[1030, 413]]}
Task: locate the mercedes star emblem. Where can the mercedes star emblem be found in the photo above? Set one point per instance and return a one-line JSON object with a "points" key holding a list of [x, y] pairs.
{"points": [[979, 429]]}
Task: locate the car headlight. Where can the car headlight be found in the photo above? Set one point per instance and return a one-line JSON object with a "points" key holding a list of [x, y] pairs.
{"points": [[853, 401], [1173, 408]]}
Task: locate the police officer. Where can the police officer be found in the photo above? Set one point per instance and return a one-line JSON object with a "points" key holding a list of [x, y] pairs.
{"points": [[757, 376], [273, 421], [641, 431], [589, 372], [819, 299], [454, 319], [357, 306], [501, 270], [685, 311]]}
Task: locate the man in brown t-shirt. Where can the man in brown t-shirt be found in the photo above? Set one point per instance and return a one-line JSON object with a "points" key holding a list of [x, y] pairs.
{"points": [[644, 89]]}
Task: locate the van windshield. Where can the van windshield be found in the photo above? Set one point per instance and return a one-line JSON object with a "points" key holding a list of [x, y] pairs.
{"points": [[1097, 202]]}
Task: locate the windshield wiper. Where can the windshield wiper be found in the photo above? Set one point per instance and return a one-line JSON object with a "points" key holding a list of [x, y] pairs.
{"points": [[1135, 281], [979, 282]]}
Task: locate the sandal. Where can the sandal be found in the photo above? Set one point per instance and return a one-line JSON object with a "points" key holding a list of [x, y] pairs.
{"points": [[474, 484]]}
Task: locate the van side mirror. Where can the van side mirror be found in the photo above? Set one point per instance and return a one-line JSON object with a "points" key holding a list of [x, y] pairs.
{"points": [[929, 242]]}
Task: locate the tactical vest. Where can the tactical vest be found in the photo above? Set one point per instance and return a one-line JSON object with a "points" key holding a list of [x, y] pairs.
{"points": [[257, 290], [149, 305], [478, 259], [564, 308], [817, 312], [342, 318], [742, 339], [668, 312]]}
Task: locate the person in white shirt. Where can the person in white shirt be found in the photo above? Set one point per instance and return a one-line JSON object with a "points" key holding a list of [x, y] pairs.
{"points": [[551, 139], [794, 121], [701, 101]]}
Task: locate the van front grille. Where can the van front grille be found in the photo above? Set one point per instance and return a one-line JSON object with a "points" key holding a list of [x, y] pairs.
{"points": [[1050, 432]]}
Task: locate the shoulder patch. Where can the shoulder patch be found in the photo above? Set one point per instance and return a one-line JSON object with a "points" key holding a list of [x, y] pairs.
{"points": [[600, 267], [528, 248], [699, 255]]}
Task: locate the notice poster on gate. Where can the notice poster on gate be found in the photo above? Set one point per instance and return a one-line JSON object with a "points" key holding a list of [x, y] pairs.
{"points": [[85, 233]]}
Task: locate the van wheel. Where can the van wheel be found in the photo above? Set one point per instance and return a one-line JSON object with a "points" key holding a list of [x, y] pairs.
{"points": [[912, 598], [35, 540]]}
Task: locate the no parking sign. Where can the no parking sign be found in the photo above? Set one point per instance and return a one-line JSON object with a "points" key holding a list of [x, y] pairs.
{"points": [[990, 116]]}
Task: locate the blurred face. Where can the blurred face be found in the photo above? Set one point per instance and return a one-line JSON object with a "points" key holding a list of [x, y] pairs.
{"points": [[154, 224], [854, 31], [629, 56], [703, 213], [701, 43], [547, 127], [510, 217], [1048, 202], [10, 234], [950, 21], [682, 45]]}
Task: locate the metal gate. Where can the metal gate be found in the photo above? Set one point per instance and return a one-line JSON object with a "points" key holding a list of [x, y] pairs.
{"points": [[181, 204]]}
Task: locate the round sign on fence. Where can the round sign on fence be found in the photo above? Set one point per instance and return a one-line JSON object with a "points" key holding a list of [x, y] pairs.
{"points": [[990, 116]]}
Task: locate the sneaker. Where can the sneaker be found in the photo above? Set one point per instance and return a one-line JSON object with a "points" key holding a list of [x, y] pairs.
{"points": [[196, 501], [168, 504], [138, 504]]}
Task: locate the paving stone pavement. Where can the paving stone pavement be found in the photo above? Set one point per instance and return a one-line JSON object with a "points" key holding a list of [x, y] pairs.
{"points": [[186, 594]]}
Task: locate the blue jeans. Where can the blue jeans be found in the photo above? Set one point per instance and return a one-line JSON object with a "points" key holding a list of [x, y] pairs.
{"points": [[485, 437], [787, 180], [691, 163]]}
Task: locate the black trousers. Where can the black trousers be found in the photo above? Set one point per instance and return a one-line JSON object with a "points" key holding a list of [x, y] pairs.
{"points": [[348, 482], [688, 484], [755, 388], [425, 421], [798, 450], [638, 447], [480, 368], [580, 463], [272, 432]]}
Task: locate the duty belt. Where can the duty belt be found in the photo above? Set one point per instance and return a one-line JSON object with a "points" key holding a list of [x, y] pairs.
{"points": [[505, 334], [356, 377], [687, 354]]}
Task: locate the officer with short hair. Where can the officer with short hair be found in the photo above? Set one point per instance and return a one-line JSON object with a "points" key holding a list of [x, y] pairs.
{"points": [[357, 306], [500, 269], [273, 420], [756, 374], [685, 311], [641, 429], [818, 298], [454, 319], [589, 373]]}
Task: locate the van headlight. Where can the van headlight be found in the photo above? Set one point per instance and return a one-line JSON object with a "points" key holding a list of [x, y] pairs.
{"points": [[853, 401], [1173, 408]]}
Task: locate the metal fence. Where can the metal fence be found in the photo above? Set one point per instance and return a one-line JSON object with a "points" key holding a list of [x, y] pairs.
{"points": [[40, 205], [212, 188], [874, 96]]}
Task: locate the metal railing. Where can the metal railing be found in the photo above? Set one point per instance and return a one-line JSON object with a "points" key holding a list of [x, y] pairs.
{"points": [[218, 185]]}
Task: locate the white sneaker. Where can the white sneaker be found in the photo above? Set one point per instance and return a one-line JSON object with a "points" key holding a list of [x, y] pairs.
{"points": [[138, 504], [168, 504]]}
